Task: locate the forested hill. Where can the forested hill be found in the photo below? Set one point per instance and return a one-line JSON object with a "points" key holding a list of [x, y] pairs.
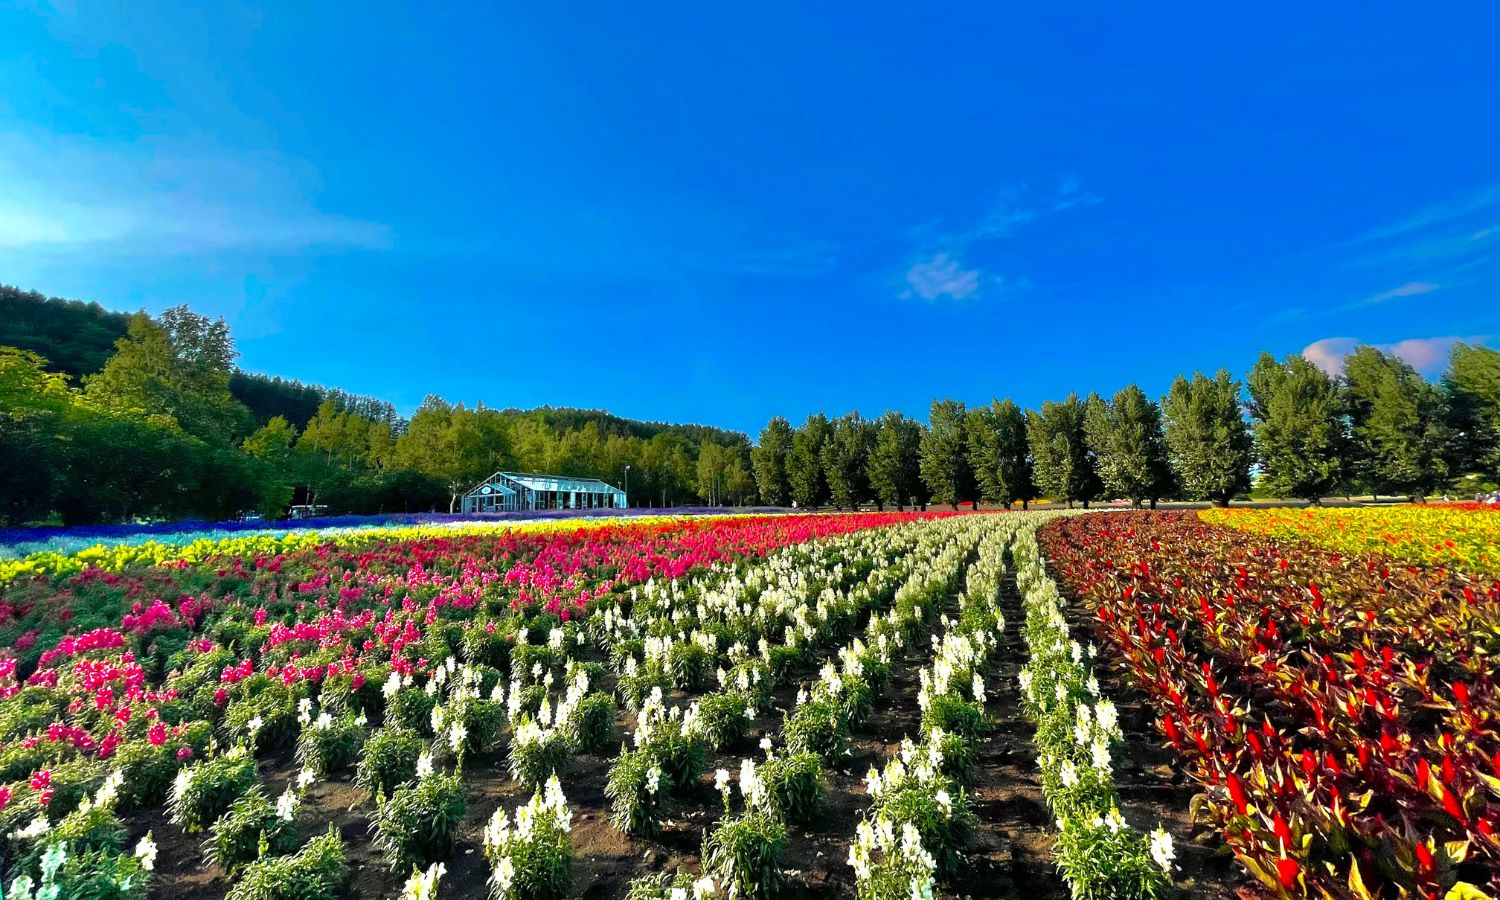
{"points": [[76, 338]]}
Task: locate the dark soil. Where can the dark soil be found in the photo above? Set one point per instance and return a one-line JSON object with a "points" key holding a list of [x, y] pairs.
{"points": [[1011, 855]]}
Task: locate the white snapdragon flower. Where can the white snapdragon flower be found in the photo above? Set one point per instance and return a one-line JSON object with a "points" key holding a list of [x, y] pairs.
{"points": [[1162, 850], [145, 851]]}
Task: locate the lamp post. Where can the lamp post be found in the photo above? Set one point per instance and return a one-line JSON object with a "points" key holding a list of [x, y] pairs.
{"points": [[627, 485]]}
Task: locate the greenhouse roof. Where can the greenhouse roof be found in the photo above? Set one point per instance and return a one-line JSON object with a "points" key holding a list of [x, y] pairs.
{"points": [[560, 483]]}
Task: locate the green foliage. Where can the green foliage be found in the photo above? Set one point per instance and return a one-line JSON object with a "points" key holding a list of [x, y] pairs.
{"points": [[1128, 442], [794, 786], [1299, 427], [945, 455], [722, 719], [946, 827], [235, 840], [267, 721], [1106, 860], [845, 458], [389, 759], [689, 665], [1207, 439], [419, 824], [330, 746], [1063, 462], [637, 792], [744, 855], [205, 790], [591, 725], [1472, 386], [412, 709], [955, 715], [537, 753], [662, 886], [817, 726], [804, 462], [313, 873], [1400, 434], [894, 465], [768, 460]]}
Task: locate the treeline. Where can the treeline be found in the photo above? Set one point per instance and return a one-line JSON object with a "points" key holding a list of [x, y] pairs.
{"points": [[167, 427], [1380, 428]]}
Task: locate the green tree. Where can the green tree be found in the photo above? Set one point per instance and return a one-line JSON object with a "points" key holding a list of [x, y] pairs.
{"points": [[894, 468], [804, 465], [33, 406], [1398, 425], [982, 442], [845, 457], [1064, 465], [1300, 431], [1015, 481], [769, 460], [1208, 442], [713, 473], [1472, 385], [1127, 439], [945, 455], [446, 443], [175, 370]]}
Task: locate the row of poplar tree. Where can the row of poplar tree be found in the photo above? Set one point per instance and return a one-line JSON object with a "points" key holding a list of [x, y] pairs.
{"points": [[1290, 430]]}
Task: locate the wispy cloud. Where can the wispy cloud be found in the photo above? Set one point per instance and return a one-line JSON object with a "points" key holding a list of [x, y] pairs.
{"points": [[65, 198], [939, 277], [1409, 289], [940, 270], [1426, 355], [1456, 234]]}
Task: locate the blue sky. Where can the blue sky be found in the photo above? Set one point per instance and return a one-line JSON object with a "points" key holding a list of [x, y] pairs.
{"points": [[729, 211]]}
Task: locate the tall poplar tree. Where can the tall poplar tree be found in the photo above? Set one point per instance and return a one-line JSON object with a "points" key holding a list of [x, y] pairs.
{"points": [[945, 463], [1208, 442], [1398, 425], [845, 457], [805, 462], [895, 463], [1127, 439], [1472, 385], [1064, 465], [1300, 430], [769, 461]]}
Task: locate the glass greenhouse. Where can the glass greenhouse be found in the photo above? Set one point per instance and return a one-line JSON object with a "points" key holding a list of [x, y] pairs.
{"points": [[511, 491]]}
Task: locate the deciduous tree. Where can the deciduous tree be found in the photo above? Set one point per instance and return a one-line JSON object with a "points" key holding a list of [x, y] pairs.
{"points": [[1126, 436], [1208, 441], [1301, 435]]}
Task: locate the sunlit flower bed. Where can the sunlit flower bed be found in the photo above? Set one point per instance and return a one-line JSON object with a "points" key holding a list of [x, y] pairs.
{"points": [[1339, 711], [194, 547], [1461, 538]]}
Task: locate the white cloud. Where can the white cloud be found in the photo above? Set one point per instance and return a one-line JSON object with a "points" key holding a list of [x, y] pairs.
{"points": [[1328, 354], [942, 272], [1426, 355], [941, 276]]}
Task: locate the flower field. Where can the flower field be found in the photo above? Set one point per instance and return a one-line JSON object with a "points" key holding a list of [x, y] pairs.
{"points": [[1462, 537], [1338, 711], [877, 706]]}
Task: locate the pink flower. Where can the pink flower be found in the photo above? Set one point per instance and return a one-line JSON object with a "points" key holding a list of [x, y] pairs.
{"points": [[184, 754]]}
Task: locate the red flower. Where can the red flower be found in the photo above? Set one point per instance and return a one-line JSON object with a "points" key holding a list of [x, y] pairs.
{"points": [[1237, 794]]}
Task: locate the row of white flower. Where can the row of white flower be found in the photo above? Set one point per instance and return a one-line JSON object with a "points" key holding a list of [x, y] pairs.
{"points": [[1077, 729], [918, 795]]}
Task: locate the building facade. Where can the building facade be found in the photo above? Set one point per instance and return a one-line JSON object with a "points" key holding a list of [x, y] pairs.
{"points": [[522, 491]]}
